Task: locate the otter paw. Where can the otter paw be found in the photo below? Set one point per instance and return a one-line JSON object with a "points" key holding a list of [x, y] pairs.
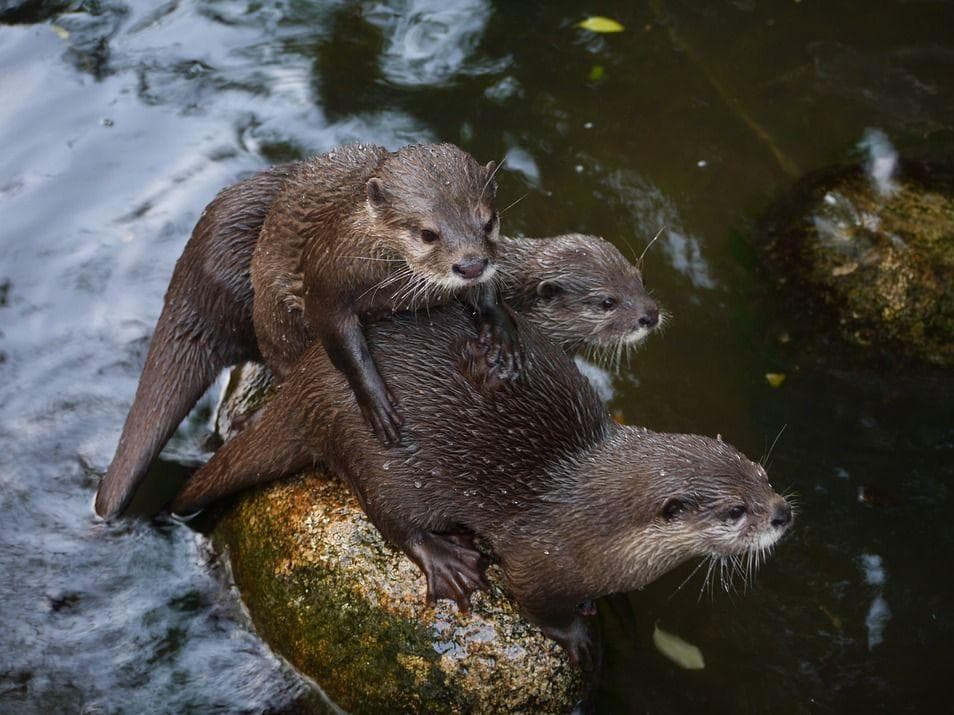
{"points": [[453, 568], [578, 642], [380, 410], [502, 349]]}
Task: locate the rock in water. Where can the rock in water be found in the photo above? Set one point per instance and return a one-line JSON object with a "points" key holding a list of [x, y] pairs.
{"points": [[345, 608], [875, 266]]}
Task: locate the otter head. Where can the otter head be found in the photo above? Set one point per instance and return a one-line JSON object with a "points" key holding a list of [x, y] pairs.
{"points": [[433, 205], [589, 298], [707, 499]]}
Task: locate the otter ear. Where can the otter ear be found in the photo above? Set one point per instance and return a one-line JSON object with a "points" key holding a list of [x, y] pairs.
{"points": [[376, 193], [548, 289]]}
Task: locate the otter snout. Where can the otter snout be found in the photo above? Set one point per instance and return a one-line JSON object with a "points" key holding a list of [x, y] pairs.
{"points": [[649, 318], [470, 268], [782, 516]]}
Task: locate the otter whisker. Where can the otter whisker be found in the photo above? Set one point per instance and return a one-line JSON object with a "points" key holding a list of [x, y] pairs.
{"points": [[687, 578], [512, 204], [712, 559], [372, 258], [491, 177], [768, 456], [387, 280], [639, 262]]}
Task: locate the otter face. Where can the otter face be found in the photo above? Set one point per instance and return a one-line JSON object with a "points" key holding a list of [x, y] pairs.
{"points": [[715, 502], [436, 206], [591, 299]]}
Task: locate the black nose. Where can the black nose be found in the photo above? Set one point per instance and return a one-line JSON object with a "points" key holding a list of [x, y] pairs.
{"points": [[649, 318], [783, 516], [470, 267]]}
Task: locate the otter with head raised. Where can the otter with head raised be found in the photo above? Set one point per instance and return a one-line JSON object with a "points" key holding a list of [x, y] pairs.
{"points": [[573, 505], [361, 230]]}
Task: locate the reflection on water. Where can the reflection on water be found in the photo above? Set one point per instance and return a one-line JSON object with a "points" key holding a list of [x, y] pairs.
{"points": [[120, 121]]}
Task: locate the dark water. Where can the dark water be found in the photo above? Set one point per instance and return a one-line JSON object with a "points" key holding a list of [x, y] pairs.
{"points": [[119, 122]]}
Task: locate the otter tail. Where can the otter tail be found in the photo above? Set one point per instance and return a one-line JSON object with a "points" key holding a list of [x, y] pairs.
{"points": [[183, 361], [266, 450]]}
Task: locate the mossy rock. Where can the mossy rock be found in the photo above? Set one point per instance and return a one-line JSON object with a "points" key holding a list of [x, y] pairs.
{"points": [[346, 609], [875, 267]]}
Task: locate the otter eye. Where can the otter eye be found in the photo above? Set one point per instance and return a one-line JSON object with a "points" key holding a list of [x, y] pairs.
{"points": [[489, 226], [736, 512], [608, 303], [673, 508], [429, 236]]}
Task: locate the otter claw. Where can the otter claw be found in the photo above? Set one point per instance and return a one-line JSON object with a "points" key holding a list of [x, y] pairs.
{"points": [[382, 414], [578, 642]]}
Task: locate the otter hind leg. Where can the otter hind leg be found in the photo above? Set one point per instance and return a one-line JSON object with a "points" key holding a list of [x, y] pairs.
{"points": [[267, 449]]}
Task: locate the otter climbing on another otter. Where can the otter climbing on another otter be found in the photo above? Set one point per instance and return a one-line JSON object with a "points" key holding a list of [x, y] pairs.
{"points": [[573, 505], [357, 216]]}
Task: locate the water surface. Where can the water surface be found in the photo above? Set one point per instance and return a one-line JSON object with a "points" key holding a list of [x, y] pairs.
{"points": [[120, 120]]}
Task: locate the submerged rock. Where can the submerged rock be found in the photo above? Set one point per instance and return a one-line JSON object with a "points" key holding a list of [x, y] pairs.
{"points": [[869, 255], [345, 608]]}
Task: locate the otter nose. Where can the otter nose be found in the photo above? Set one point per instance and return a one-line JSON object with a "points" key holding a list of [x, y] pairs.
{"points": [[649, 318], [470, 267], [782, 516]]}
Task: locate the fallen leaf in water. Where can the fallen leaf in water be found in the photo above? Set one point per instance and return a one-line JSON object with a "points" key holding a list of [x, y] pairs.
{"points": [[835, 620], [61, 32], [775, 379], [677, 650], [596, 73], [598, 23]]}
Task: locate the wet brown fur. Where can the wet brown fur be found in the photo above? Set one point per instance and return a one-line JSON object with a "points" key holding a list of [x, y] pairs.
{"points": [[207, 320], [573, 505]]}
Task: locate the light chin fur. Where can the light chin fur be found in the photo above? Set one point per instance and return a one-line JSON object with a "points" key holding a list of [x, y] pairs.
{"points": [[455, 283]]}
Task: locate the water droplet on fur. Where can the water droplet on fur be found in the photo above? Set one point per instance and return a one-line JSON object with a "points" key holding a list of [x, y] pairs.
{"points": [[386, 466], [417, 483]]}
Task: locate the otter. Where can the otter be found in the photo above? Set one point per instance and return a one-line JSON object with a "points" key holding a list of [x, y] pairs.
{"points": [[318, 222], [572, 505], [563, 283], [361, 231]]}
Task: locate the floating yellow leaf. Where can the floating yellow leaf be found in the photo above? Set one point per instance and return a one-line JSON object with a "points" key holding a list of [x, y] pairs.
{"points": [[677, 650], [596, 73], [775, 379], [601, 24], [61, 32]]}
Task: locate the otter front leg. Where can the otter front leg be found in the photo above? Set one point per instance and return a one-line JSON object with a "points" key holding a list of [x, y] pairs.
{"points": [[572, 631], [499, 331], [344, 341]]}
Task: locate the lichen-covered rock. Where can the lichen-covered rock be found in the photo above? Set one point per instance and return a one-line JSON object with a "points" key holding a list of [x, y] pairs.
{"points": [[327, 593], [872, 261], [346, 609]]}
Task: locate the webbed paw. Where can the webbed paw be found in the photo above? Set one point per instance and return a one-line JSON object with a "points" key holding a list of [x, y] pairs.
{"points": [[453, 567]]}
